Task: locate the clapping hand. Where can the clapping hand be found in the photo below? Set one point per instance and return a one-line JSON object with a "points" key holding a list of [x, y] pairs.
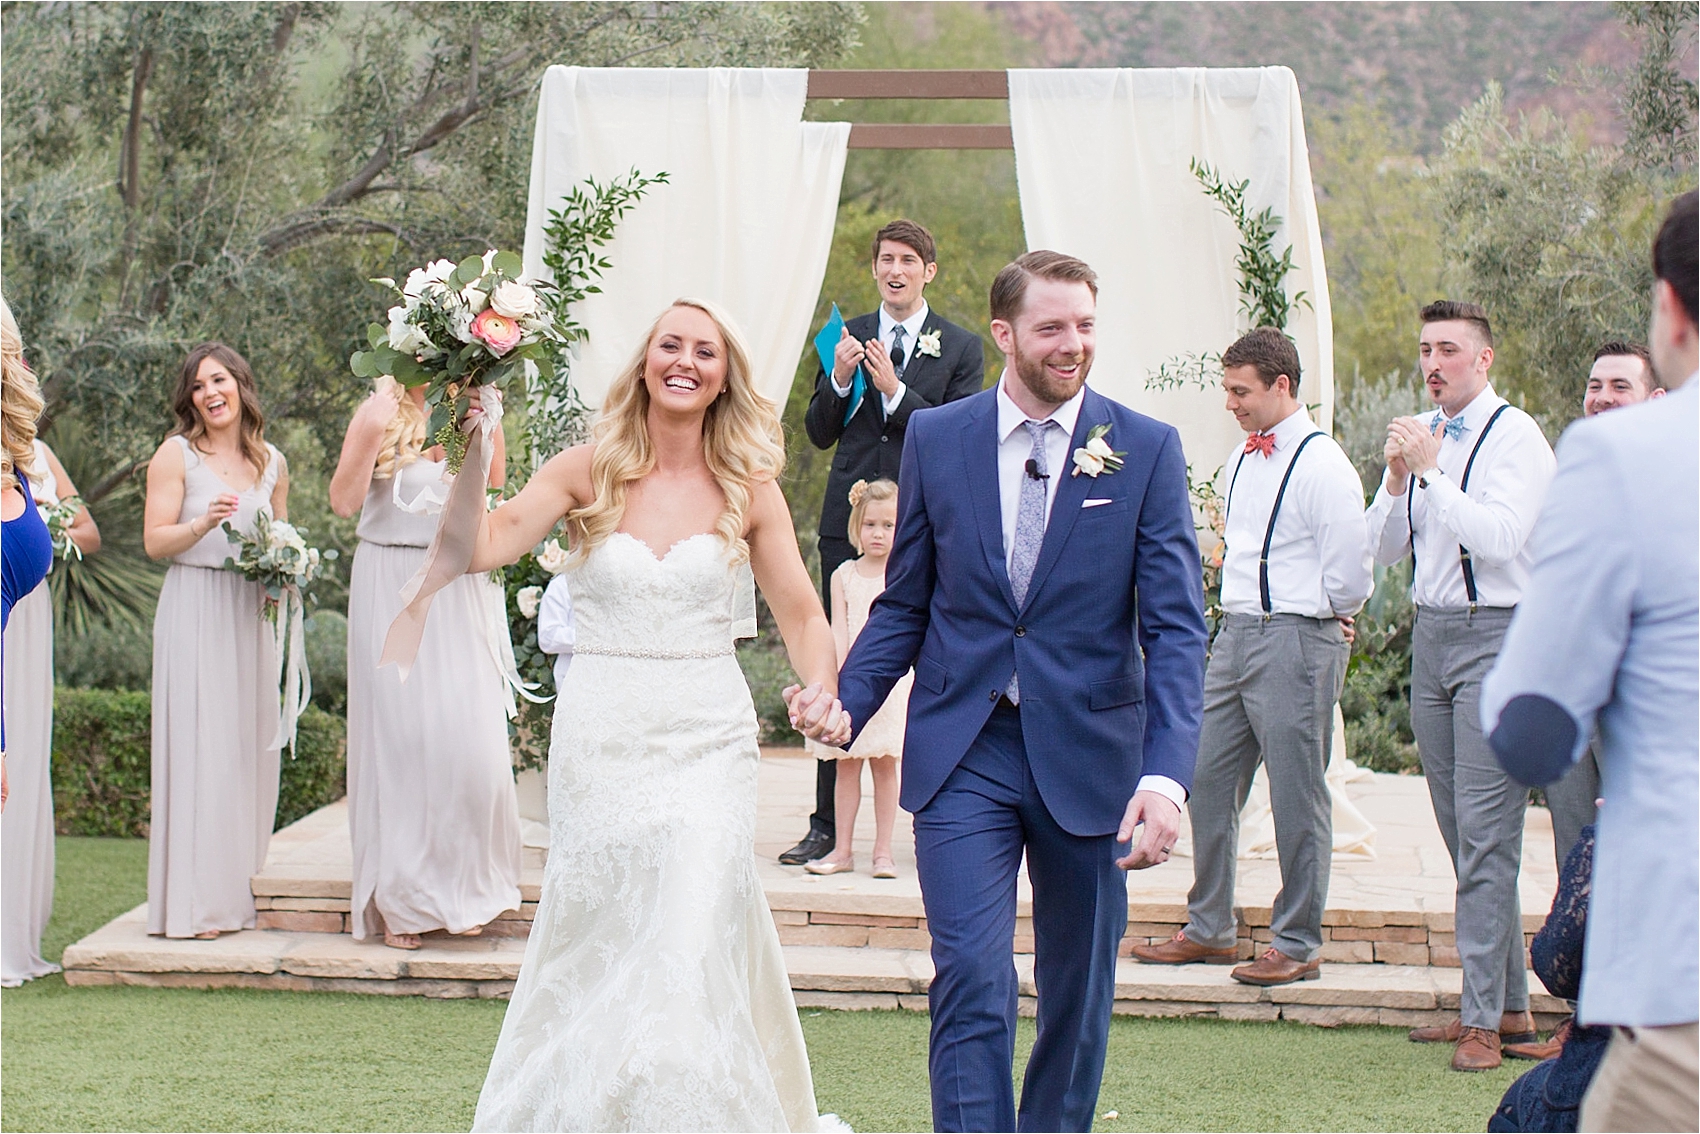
{"points": [[817, 715], [880, 368], [219, 509], [846, 356], [1417, 445], [1162, 822]]}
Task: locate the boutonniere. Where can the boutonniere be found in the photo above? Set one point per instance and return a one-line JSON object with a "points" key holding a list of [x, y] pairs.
{"points": [[1096, 456], [927, 343]]}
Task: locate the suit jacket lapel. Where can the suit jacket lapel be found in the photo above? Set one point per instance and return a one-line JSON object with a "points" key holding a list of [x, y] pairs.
{"points": [[919, 362], [980, 458], [1065, 509]]}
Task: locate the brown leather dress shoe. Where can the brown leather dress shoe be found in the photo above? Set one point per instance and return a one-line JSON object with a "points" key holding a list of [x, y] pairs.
{"points": [[1177, 950], [1477, 1050], [1275, 967], [1514, 1027], [1539, 1051]]}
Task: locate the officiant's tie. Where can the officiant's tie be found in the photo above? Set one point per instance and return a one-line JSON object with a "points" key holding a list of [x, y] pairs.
{"points": [[1029, 524], [898, 357]]}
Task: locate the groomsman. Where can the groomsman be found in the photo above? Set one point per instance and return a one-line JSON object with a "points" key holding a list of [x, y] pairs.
{"points": [[1297, 568], [1461, 493], [1609, 633], [1622, 375], [889, 363]]}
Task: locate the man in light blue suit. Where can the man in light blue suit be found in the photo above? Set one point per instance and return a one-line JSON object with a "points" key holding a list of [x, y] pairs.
{"points": [[1609, 631], [1046, 587]]}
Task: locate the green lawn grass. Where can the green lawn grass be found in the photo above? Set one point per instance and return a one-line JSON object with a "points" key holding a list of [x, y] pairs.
{"points": [[169, 1059]]}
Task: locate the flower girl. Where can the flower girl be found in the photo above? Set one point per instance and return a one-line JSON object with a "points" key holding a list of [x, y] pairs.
{"points": [[855, 585]]}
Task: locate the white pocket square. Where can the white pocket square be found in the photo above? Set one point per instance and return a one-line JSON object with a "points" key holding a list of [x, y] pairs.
{"points": [[1095, 502]]}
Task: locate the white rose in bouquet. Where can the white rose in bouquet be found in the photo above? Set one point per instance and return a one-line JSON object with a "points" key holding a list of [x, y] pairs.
{"points": [[408, 338], [553, 557], [527, 598], [514, 300]]}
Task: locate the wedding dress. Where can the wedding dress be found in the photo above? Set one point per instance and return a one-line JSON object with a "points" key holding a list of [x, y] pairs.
{"points": [[653, 995]]}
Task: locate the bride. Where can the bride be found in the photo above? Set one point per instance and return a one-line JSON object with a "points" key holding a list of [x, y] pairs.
{"points": [[653, 995]]}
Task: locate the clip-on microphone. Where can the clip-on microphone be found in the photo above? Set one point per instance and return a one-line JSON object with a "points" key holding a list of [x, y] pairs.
{"points": [[1033, 470]]}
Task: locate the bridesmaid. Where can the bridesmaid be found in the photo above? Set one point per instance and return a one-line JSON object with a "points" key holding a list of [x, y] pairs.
{"points": [[26, 838], [432, 811], [215, 672], [26, 552]]}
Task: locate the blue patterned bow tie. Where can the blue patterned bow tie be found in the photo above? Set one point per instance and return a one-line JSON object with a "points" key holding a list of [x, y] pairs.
{"points": [[1454, 428]]}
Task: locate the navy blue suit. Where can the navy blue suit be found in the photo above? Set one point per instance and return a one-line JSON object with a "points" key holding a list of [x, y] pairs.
{"points": [[1110, 647]]}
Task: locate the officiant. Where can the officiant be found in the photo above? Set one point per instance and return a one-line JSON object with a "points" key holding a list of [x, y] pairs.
{"points": [[886, 365]]}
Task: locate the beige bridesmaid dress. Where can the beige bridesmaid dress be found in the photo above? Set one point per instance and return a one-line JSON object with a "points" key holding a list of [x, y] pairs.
{"points": [[432, 811], [26, 832], [215, 721]]}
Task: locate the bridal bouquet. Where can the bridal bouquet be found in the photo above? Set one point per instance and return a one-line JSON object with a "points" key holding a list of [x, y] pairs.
{"points": [[276, 556], [59, 518], [476, 323]]}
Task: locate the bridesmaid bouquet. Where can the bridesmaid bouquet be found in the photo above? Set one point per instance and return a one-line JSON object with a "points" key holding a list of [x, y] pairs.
{"points": [[457, 326], [59, 518], [276, 556]]}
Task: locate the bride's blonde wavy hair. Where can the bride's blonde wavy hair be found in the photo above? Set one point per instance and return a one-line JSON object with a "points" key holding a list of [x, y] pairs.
{"points": [[404, 436], [741, 437], [20, 404]]}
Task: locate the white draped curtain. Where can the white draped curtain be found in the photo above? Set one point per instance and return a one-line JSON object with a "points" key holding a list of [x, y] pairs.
{"points": [[745, 219], [1102, 162]]}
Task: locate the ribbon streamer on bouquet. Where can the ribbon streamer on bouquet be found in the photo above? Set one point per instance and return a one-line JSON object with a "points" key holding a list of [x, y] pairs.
{"points": [[501, 644], [295, 683], [430, 498], [450, 553]]}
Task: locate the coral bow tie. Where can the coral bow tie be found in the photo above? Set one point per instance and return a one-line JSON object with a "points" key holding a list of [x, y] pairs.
{"points": [[1260, 443]]}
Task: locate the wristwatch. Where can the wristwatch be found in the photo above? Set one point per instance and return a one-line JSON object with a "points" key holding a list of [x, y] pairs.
{"points": [[1426, 475]]}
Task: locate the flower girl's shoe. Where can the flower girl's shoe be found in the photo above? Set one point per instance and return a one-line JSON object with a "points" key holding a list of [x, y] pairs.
{"points": [[827, 866]]}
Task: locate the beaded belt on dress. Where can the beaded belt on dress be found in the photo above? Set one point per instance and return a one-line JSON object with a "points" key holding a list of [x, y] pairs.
{"points": [[611, 651]]}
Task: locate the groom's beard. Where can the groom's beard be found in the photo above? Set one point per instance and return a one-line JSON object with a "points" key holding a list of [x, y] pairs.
{"points": [[1045, 385]]}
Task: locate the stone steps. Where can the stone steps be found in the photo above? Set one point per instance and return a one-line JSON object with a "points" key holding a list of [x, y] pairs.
{"points": [[823, 976]]}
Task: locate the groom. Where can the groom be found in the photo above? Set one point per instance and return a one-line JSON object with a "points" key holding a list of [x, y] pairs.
{"points": [[1050, 601]]}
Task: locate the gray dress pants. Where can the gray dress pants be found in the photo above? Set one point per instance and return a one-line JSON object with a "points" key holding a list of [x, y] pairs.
{"points": [[1269, 695], [1478, 807]]}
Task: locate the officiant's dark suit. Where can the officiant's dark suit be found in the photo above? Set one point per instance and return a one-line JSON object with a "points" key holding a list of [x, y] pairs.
{"points": [[870, 444]]}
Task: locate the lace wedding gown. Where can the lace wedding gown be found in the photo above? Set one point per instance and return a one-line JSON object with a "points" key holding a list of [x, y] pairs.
{"points": [[653, 994]]}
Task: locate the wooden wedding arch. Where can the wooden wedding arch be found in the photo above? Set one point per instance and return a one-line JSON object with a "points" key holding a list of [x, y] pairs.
{"points": [[988, 85]]}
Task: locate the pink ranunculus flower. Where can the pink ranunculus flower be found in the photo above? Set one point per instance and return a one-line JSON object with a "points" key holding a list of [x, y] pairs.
{"points": [[498, 332]]}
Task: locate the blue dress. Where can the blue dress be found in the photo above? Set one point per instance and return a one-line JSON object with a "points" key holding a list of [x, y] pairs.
{"points": [[26, 552]]}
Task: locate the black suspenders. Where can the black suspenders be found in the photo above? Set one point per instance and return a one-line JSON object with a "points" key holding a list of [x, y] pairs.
{"points": [[1269, 532], [1463, 485]]}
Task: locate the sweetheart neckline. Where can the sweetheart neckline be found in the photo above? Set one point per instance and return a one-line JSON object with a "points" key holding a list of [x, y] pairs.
{"points": [[676, 545]]}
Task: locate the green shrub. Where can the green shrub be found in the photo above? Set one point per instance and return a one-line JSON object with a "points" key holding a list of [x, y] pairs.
{"points": [[103, 763], [1376, 701], [327, 659]]}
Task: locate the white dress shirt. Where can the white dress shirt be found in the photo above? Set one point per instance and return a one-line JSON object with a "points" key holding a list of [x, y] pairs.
{"points": [[1319, 560], [911, 331], [1508, 485], [555, 632], [1015, 446]]}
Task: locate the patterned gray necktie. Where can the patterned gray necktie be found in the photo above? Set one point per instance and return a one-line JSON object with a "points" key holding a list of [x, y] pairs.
{"points": [[898, 359], [1029, 523]]}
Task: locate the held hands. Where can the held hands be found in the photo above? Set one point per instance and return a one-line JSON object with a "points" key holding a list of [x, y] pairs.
{"points": [[1162, 822], [817, 715]]}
